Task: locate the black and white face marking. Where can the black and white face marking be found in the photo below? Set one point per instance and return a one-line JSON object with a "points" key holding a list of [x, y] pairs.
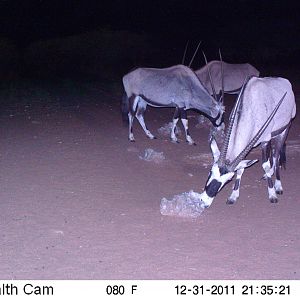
{"points": [[212, 188], [218, 177]]}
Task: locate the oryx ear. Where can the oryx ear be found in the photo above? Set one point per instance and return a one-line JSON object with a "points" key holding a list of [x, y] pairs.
{"points": [[245, 164], [214, 149]]}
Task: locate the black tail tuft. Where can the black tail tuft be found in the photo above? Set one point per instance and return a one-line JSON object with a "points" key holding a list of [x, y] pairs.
{"points": [[282, 156], [125, 108]]}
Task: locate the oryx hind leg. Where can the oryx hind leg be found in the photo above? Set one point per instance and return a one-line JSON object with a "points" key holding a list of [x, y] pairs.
{"points": [[184, 122], [236, 188], [267, 165], [279, 157], [141, 108]]}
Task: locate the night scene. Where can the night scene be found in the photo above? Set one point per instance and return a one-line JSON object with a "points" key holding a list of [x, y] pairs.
{"points": [[149, 140]]}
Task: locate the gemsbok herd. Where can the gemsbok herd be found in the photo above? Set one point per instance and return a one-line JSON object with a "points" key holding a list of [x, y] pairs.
{"points": [[262, 115]]}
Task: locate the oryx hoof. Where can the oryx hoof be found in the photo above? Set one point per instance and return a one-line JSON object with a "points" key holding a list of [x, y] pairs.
{"points": [[273, 200], [280, 192], [191, 143], [175, 141], [131, 137], [230, 201], [189, 140], [152, 137], [264, 177]]}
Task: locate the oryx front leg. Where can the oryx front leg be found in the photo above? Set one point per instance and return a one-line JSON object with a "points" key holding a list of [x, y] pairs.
{"points": [[174, 123], [133, 101], [130, 133], [271, 171], [266, 150], [184, 121], [236, 188], [141, 107]]}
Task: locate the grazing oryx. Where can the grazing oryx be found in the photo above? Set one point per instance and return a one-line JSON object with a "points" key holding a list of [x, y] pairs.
{"points": [[177, 86], [233, 76], [262, 115]]}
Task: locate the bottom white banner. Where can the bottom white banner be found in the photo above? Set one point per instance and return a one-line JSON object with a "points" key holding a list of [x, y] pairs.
{"points": [[141, 289]]}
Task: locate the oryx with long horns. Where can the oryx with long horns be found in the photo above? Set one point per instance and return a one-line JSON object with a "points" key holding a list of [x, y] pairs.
{"points": [[219, 76], [262, 115], [225, 76], [177, 87]]}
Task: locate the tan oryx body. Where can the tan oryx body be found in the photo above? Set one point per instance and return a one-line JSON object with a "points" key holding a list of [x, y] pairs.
{"points": [[177, 87], [234, 75], [262, 115]]}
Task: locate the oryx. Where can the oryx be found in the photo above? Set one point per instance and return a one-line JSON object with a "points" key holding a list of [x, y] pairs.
{"points": [[262, 115], [176, 86], [232, 78]]}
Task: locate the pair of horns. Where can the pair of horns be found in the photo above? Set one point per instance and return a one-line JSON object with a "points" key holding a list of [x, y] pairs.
{"points": [[230, 125], [208, 70], [185, 50], [210, 77]]}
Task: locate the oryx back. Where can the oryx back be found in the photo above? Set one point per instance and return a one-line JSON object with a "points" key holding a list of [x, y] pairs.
{"points": [[260, 97], [234, 75]]}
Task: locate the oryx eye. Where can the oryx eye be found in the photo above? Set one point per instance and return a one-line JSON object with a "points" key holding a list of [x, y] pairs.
{"points": [[223, 170]]}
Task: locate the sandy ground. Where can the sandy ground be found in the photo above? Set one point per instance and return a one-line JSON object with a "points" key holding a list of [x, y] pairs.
{"points": [[77, 202]]}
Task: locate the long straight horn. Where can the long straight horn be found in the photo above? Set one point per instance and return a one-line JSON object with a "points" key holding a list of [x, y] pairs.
{"points": [[195, 54], [230, 124], [210, 78], [184, 54], [222, 74], [242, 155]]}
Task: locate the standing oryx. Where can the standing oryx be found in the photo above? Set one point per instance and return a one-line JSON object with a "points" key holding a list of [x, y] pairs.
{"points": [[233, 76], [177, 86], [262, 115]]}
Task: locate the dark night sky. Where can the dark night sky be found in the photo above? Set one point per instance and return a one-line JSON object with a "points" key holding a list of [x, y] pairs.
{"points": [[237, 25], [251, 19]]}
